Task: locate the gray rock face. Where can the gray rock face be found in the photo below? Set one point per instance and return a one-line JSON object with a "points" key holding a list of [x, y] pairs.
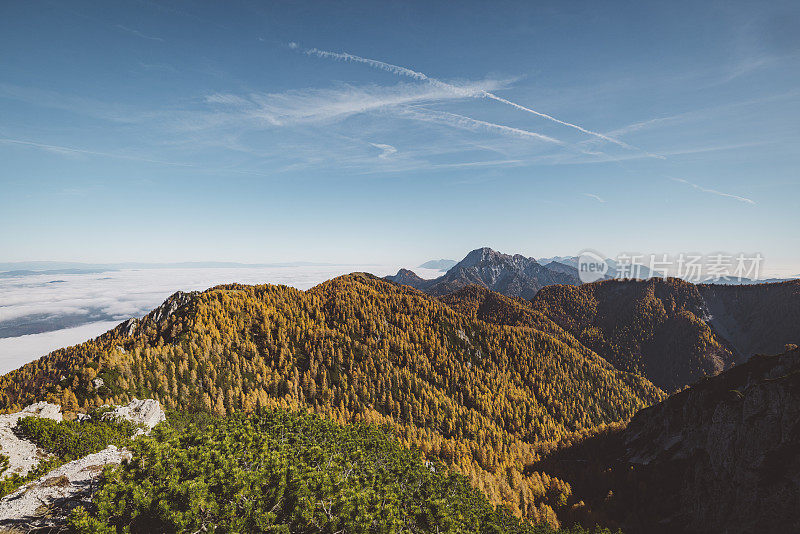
{"points": [[722, 456], [147, 413], [22, 454], [156, 317], [406, 277], [513, 276], [171, 305], [731, 446]]}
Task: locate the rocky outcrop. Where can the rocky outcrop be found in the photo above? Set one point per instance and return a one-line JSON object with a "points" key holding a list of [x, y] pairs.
{"points": [[722, 456], [146, 413], [731, 445], [46, 501], [155, 318], [22, 454], [406, 277]]}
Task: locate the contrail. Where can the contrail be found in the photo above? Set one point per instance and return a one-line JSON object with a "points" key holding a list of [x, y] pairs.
{"points": [[596, 197], [461, 121], [62, 149], [471, 124], [714, 191], [403, 71]]}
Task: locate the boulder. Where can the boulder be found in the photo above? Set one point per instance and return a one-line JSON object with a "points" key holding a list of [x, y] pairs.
{"points": [[147, 413]]}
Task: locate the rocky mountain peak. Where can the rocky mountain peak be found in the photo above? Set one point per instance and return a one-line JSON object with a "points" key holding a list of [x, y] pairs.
{"points": [[512, 275], [486, 255]]}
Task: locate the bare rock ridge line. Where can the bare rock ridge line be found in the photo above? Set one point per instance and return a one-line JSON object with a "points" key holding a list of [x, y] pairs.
{"points": [[512, 275], [48, 500]]}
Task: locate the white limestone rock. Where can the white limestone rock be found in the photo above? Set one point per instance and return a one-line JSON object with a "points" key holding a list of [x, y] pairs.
{"points": [[48, 499], [22, 454], [146, 412]]}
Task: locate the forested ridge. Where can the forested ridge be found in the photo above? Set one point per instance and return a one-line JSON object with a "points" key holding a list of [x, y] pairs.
{"points": [[481, 397], [655, 328]]}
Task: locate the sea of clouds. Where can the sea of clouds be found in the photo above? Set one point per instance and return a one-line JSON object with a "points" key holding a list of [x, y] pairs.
{"points": [[43, 312]]}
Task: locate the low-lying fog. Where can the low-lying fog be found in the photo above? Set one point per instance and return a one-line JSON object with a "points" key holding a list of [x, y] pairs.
{"points": [[43, 312]]}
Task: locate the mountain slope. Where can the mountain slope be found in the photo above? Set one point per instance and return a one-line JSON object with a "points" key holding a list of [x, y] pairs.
{"points": [[674, 332], [491, 307], [474, 394], [755, 319], [653, 327], [721, 456], [514, 276]]}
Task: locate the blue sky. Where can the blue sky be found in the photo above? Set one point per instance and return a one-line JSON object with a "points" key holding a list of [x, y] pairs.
{"points": [[390, 132]]}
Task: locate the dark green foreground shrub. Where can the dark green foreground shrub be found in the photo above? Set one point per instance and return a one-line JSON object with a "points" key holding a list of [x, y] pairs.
{"points": [[284, 472], [65, 441], [70, 440]]}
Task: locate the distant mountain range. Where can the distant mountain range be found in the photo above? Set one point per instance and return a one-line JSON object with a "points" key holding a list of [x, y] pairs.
{"points": [[614, 270], [639, 271], [515, 276], [28, 272], [668, 330]]}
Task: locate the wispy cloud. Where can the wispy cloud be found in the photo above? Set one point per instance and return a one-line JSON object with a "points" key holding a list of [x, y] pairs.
{"points": [[703, 114], [137, 33], [642, 125], [595, 197], [321, 105], [714, 148], [386, 150], [459, 90], [89, 107], [486, 163], [713, 191], [461, 121], [57, 149], [747, 66], [158, 67]]}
